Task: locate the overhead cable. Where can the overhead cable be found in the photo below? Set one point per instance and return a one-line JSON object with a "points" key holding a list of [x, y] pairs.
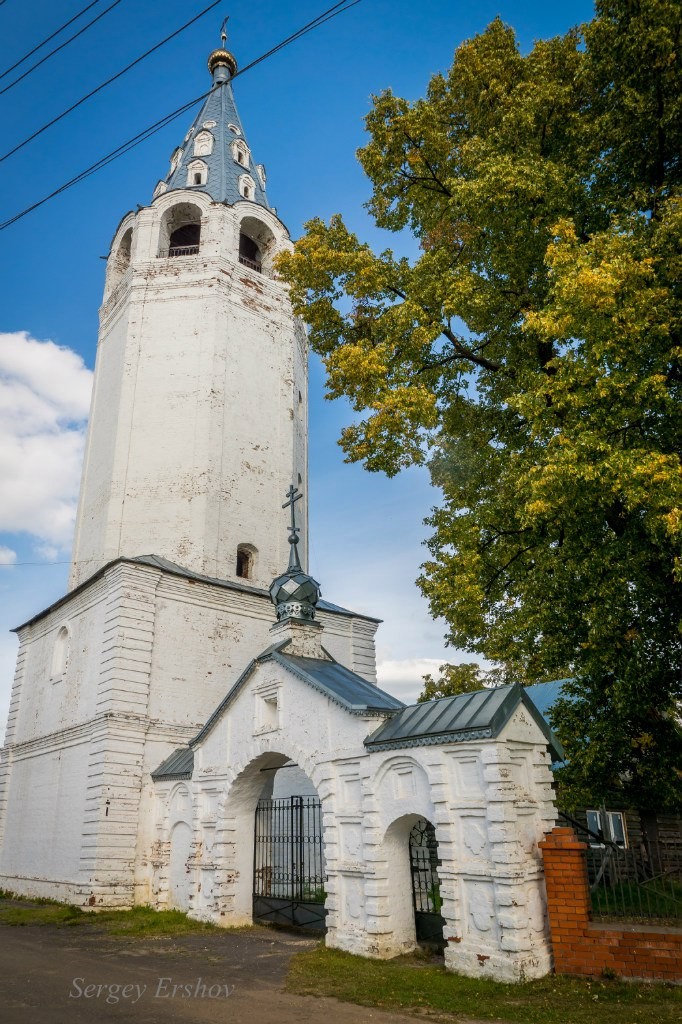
{"points": [[136, 140], [103, 85], [43, 60], [48, 39]]}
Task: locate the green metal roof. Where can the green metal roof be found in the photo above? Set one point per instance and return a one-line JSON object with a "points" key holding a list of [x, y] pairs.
{"points": [[468, 716], [178, 766]]}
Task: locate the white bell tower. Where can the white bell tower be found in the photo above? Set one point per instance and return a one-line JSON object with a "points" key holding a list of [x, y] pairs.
{"points": [[198, 422]]}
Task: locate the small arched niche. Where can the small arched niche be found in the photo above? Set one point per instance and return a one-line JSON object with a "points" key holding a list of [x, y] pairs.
{"points": [[180, 230], [119, 261], [246, 561], [203, 144], [256, 245], [60, 653]]}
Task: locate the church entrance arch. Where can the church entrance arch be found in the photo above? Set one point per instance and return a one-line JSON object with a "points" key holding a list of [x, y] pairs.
{"points": [[426, 897]]}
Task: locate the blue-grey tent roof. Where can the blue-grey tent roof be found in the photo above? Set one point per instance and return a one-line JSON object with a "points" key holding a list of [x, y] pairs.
{"points": [[468, 716], [223, 170], [178, 766], [338, 682]]}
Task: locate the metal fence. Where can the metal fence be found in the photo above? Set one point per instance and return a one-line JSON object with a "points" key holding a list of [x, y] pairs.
{"points": [[288, 853], [639, 883], [179, 250]]}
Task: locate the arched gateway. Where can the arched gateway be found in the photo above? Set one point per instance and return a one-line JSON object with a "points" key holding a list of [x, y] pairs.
{"points": [[418, 822]]}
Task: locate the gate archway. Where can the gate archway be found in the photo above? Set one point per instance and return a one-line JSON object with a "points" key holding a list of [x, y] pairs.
{"points": [[426, 897]]}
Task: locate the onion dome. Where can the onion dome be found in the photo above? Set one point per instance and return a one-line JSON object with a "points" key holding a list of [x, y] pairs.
{"points": [[294, 593], [222, 59]]}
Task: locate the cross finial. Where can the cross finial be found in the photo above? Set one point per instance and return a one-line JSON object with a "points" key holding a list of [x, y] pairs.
{"points": [[294, 495], [223, 31]]}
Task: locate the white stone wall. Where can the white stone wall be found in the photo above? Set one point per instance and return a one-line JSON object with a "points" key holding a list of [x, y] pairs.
{"points": [[198, 422], [490, 801], [150, 656]]}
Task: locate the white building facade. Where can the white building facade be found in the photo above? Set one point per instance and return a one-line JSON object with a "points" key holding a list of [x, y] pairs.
{"points": [[158, 702]]}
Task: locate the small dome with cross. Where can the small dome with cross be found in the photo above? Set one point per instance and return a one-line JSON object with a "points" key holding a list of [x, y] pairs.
{"points": [[294, 593]]}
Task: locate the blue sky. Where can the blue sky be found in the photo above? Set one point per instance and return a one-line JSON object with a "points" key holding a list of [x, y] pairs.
{"points": [[303, 115]]}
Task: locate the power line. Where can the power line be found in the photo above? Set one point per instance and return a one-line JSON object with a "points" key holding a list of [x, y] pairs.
{"points": [[109, 158], [103, 85], [41, 63], [48, 39], [136, 140]]}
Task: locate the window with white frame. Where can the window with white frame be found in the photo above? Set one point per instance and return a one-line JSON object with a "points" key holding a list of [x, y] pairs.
{"points": [[247, 186], [234, 129], [608, 824], [267, 709], [203, 144], [175, 159], [197, 173], [260, 170], [160, 189], [240, 152]]}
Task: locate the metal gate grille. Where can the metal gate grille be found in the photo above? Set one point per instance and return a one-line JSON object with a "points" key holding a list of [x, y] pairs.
{"points": [[288, 870], [426, 884]]}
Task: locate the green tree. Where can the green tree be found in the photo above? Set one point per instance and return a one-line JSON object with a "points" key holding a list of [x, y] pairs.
{"points": [[531, 356], [453, 679]]}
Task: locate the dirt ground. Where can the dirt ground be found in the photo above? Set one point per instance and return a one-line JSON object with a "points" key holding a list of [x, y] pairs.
{"points": [[59, 975]]}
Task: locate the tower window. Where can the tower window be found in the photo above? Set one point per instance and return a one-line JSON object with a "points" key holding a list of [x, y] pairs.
{"points": [[184, 241], [180, 230], [249, 253], [246, 560], [240, 152], [197, 173]]}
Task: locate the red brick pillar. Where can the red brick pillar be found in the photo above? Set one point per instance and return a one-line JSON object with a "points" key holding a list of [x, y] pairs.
{"points": [[568, 896]]}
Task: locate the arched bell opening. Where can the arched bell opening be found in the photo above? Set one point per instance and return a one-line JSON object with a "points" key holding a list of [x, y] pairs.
{"points": [[180, 231], [257, 245], [119, 261]]}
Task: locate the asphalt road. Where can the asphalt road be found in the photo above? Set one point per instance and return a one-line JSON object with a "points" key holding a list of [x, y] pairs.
{"points": [[65, 976]]}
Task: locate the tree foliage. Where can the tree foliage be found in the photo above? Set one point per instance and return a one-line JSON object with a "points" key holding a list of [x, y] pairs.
{"points": [[452, 680], [531, 356]]}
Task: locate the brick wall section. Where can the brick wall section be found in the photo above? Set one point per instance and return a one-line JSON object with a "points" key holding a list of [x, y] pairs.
{"points": [[582, 946]]}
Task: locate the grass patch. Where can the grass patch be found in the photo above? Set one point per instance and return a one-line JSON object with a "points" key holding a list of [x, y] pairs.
{"points": [[409, 984], [139, 921]]}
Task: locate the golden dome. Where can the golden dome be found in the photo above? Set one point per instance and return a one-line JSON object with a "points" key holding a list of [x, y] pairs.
{"points": [[222, 58]]}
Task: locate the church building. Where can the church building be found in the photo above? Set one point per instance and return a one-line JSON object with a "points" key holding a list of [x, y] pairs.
{"points": [[192, 725]]}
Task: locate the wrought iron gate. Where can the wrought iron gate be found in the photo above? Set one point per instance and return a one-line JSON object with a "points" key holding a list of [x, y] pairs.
{"points": [[288, 863], [425, 884]]}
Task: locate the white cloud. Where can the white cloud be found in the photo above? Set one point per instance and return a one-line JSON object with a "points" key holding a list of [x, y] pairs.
{"points": [[44, 401], [404, 678], [7, 556]]}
